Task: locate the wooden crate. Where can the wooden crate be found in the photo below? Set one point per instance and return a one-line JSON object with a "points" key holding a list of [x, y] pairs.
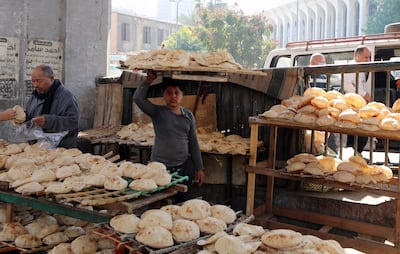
{"points": [[108, 105]]}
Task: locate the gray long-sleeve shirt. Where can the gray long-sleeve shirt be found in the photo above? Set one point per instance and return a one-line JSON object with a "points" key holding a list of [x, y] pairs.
{"points": [[176, 137], [63, 115]]}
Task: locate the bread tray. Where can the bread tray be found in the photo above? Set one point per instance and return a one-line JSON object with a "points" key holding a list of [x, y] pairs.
{"points": [[101, 196], [10, 247], [126, 243]]}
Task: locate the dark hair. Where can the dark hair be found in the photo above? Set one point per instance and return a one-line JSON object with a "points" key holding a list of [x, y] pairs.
{"points": [[167, 82]]}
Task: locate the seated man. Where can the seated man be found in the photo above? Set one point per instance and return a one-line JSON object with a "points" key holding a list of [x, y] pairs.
{"points": [[320, 79]]}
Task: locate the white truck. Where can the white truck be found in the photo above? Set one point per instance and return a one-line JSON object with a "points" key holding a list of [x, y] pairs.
{"points": [[384, 47]]}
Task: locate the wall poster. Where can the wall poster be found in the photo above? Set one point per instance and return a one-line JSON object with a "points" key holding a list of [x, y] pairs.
{"points": [[43, 52], [9, 67]]}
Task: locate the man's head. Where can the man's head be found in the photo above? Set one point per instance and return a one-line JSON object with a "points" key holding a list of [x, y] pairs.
{"points": [[362, 54], [172, 93], [42, 78], [317, 59]]}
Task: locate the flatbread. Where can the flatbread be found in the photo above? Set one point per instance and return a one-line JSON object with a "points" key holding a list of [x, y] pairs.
{"points": [[175, 58], [21, 115]]}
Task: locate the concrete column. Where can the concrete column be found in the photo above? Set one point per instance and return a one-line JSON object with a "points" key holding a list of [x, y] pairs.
{"points": [[86, 31]]}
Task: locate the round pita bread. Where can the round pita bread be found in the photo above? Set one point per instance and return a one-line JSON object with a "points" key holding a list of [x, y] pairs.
{"points": [[211, 225], [282, 239], [185, 230], [21, 115], [125, 223], [27, 241], [195, 209], [155, 237], [156, 217], [84, 244], [223, 213]]}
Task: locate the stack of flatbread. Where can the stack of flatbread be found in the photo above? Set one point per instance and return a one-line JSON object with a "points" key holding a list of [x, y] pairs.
{"points": [[217, 142], [161, 228], [140, 134], [180, 59], [44, 230], [355, 170], [209, 141], [247, 238], [332, 108], [34, 170]]}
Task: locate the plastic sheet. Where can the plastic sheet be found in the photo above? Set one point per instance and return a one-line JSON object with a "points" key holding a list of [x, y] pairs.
{"points": [[32, 133]]}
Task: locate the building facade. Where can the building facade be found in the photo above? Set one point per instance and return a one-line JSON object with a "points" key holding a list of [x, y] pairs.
{"points": [[301, 20], [132, 33]]}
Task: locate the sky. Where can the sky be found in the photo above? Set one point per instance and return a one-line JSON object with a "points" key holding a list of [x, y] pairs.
{"points": [[149, 7]]}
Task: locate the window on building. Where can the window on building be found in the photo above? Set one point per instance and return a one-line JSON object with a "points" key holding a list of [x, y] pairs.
{"points": [[125, 32], [160, 36], [356, 18], [147, 35], [281, 41], [344, 28], [303, 30]]}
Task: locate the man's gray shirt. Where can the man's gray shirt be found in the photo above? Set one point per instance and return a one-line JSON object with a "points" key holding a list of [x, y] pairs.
{"points": [[176, 137]]}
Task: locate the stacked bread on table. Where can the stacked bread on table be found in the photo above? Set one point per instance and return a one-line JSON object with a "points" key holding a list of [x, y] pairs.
{"points": [[32, 170], [217, 142], [32, 229], [248, 238], [355, 170], [332, 108], [174, 224], [206, 225], [209, 141], [142, 134]]}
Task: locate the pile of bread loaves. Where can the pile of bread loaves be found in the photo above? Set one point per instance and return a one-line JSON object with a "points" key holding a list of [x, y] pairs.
{"points": [[162, 228], [333, 108], [140, 134], [254, 239], [217, 142], [33, 170], [180, 58], [173, 224], [209, 141], [355, 170], [44, 231]]}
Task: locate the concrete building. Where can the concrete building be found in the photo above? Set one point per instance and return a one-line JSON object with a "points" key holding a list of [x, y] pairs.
{"points": [[301, 20], [131, 33], [69, 35]]}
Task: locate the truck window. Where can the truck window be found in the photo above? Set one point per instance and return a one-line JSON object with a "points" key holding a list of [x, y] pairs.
{"points": [[395, 73], [280, 61], [331, 58]]}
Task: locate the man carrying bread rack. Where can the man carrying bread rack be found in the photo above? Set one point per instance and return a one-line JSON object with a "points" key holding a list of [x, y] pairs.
{"points": [[175, 143], [52, 106]]}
